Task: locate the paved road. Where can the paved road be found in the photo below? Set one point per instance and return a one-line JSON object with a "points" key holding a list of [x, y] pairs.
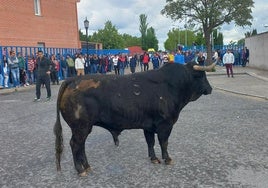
{"points": [[221, 140], [247, 81]]}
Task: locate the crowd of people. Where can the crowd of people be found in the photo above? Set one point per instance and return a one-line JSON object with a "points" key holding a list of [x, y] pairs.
{"points": [[17, 70]]}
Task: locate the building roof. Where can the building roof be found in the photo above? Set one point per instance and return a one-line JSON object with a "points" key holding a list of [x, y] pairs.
{"points": [[135, 50]]}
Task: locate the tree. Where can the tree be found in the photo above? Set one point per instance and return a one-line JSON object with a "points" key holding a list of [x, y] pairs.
{"points": [[109, 37], [148, 37], [82, 37], [172, 40], [178, 37], [210, 14], [251, 33], [217, 37], [151, 40], [143, 30], [200, 40], [130, 40]]}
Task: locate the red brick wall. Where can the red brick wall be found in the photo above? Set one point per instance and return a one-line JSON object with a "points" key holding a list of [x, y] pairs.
{"points": [[56, 27]]}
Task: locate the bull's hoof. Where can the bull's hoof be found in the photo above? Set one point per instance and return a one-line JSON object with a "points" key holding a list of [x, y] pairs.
{"points": [[83, 174], [168, 161], [116, 143], [155, 161], [88, 169]]}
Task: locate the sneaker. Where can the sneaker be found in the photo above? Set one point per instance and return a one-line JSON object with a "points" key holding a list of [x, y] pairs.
{"points": [[37, 100], [48, 98]]}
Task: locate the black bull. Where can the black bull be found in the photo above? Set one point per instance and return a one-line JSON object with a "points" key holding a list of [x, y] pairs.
{"points": [[149, 100]]}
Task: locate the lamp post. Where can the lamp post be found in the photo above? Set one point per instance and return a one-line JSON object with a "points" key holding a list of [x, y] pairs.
{"points": [[86, 24]]}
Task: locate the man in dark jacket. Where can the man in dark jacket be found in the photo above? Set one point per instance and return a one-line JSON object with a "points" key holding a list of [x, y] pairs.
{"points": [[43, 75]]}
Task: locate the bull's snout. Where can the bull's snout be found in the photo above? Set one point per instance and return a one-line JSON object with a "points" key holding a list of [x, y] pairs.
{"points": [[208, 90]]}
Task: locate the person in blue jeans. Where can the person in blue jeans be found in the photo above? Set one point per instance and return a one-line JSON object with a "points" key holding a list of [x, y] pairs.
{"points": [[13, 63], [1, 77]]}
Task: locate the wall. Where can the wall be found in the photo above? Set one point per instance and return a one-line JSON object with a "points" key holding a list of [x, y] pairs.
{"points": [[56, 27], [258, 54]]}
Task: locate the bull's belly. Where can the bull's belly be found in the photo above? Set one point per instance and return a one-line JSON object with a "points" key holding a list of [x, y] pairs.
{"points": [[127, 121]]}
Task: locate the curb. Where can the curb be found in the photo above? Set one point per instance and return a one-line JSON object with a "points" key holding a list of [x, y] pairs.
{"points": [[240, 93]]}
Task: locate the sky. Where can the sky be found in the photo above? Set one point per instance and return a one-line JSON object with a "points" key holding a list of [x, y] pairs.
{"points": [[124, 15]]}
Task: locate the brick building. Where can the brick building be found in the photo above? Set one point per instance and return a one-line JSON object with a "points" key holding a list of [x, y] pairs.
{"points": [[39, 23]]}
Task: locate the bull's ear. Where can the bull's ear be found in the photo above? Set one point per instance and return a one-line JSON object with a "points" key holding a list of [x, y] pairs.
{"points": [[204, 68]]}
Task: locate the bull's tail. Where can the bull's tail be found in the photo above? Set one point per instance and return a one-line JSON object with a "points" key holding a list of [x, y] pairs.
{"points": [[58, 128]]}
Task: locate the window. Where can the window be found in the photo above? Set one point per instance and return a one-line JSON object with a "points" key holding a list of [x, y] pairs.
{"points": [[41, 46], [37, 7]]}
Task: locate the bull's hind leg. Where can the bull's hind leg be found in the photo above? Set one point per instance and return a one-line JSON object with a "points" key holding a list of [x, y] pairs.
{"points": [[77, 143], [149, 136], [163, 141]]}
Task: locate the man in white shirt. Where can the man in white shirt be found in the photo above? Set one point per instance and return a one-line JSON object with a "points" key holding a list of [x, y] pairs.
{"points": [[228, 61], [79, 65]]}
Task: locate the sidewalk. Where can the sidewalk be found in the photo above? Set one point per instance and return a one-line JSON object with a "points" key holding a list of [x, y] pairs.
{"points": [[247, 81]]}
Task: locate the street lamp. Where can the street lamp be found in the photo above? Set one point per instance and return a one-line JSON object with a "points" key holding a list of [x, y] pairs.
{"points": [[86, 24]]}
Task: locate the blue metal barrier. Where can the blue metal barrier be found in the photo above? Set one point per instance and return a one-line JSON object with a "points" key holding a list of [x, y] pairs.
{"points": [[31, 52]]}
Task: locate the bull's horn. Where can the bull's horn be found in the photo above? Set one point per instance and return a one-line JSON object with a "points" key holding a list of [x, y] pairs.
{"points": [[204, 68]]}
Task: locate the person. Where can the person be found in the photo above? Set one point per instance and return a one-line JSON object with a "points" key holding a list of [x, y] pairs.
{"points": [[31, 68], [188, 57], [1, 76], [22, 69], [79, 65], [94, 64], [171, 57], [54, 69], [165, 58], [201, 59], [13, 63], [179, 58], [217, 57], [5, 71], [43, 65], [156, 61], [63, 65], [145, 61], [245, 56], [71, 67], [115, 62], [122, 64], [141, 63], [133, 63], [103, 64], [228, 61]]}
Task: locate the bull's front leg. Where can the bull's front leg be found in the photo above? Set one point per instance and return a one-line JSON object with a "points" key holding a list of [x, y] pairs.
{"points": [[163, 141], [149, 136]]}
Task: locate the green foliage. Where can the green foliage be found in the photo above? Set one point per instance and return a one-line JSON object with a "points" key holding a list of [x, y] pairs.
{"points": [[143, 30], [200, 40], [217, 38], [148, 37], [210, 14], [83, 37], [131, 41], [182, 37], [109, 37], [251, 33], [151, 40]]}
